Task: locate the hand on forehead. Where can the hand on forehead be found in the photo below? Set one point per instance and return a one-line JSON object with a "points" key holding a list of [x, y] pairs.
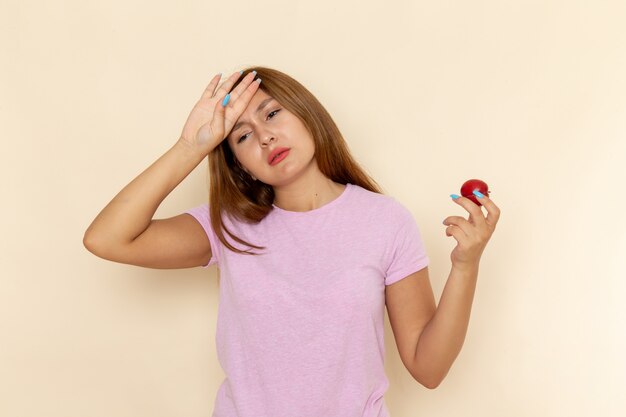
{"points": [[255, 108], [258, 97]]}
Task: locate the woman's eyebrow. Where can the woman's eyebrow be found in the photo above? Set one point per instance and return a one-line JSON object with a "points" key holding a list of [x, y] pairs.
{"points": [[260, 108]]}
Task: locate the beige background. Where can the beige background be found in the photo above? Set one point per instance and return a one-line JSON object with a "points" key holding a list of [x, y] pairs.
{"points": [[529, 96]]}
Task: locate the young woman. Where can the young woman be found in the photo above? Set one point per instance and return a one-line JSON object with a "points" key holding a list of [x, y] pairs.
{"points": [[310, 253]]}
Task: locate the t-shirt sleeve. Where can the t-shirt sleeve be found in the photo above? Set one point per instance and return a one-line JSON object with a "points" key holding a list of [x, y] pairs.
{"points": [[201, 214], [407, 253]]}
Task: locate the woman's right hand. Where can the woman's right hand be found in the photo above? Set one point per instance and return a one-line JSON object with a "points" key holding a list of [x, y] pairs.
{"points": [[209, 122]]}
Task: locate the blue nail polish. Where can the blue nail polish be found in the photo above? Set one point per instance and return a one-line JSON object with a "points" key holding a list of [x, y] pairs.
{"points": [[454, 196], [478, 194], [226, 100]]}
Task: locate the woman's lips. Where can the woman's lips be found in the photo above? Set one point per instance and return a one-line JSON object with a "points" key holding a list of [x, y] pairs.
{"points": [[280, 157]]}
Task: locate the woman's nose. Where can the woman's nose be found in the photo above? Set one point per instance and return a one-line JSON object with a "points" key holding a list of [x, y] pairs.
{"points": [[267, 139]]}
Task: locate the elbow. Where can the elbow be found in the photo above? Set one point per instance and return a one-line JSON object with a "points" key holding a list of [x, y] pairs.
{"points": [[93, 244], [89, 242], [430, 380], [430, 384], [103, 247]]}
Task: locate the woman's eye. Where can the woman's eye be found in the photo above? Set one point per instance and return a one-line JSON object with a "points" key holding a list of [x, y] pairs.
{"points": [[269, 116]]}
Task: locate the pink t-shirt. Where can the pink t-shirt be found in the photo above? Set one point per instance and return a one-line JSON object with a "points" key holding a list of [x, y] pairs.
{"points": [[300, 328]]}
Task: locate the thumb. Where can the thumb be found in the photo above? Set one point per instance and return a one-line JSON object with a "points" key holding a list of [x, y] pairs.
{"points": [[217, 124]]}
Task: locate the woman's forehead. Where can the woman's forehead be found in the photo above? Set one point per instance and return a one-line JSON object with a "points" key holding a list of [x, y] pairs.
{"points": [[258, 97], [257, 104]]}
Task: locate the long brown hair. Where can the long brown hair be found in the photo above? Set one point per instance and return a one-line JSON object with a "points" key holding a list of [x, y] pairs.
{"points": [[233, 191]]}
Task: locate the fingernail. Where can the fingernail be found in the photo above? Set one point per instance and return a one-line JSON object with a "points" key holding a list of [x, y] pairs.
{"points": [[254, 72], [240, 72], [454, 196], [226, 100], [478, 194]]}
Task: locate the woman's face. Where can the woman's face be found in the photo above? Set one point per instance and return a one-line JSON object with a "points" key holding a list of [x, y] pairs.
{"points": [[263, 127]]}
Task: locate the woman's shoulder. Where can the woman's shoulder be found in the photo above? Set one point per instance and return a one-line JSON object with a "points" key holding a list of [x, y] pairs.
{"points": [[376, 214], [378, 200]]}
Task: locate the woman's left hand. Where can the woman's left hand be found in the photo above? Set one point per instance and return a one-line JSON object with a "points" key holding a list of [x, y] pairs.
{"points": [[472, 234]]}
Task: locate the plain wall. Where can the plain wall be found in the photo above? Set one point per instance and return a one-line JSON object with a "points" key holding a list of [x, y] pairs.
{"points": [[529, 96]]}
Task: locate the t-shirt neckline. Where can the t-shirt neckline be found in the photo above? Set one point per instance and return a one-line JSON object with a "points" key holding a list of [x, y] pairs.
{"points": [[318, 210]]}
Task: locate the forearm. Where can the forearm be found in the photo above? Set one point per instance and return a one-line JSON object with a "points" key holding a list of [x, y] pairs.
{"points": [[441, 340], [130, 212]]}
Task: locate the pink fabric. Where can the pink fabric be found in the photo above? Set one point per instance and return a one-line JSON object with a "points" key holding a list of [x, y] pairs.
{"points": [[300, 328]]}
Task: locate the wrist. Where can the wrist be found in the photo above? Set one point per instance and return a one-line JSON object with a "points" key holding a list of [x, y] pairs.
{"points": [[466, 266], [189, 149]]}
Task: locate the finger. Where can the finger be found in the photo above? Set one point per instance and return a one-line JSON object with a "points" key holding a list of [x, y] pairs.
{"points": [[213, 130], [459, 222], [217, 124], [476, 214], [493, 212], [208, 92], [235, 109], [243, 97], [242, 86], [228, 84], [456, 233]]}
